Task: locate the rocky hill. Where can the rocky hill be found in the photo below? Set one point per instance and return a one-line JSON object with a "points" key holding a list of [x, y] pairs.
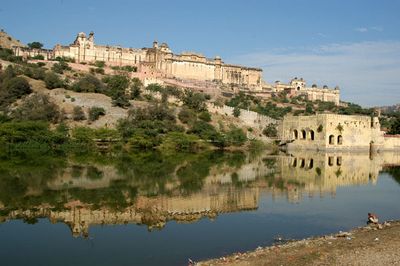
{"points": [[6, 41]]}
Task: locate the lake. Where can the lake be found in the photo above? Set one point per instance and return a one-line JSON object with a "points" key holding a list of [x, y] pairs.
{"points": [[154, 209]]}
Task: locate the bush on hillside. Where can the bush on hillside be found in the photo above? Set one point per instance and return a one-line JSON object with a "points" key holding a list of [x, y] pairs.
{"points": [[52, 81], [78, 114], [95, 112], [36, 107]]}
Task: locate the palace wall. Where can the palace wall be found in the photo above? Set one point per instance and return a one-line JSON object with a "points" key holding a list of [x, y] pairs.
{"points": [[335, 132], [160, 59]]}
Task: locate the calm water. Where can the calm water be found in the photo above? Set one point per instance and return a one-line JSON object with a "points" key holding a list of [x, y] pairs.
{"points": [[150, 209]]}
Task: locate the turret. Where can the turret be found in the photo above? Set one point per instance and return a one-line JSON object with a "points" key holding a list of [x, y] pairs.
{"points": [[155, 44]]}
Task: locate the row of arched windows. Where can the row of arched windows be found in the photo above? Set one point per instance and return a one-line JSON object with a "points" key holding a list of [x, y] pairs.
{"points": [[302, 163], [309, 164], [303, 134], [338, 142]]}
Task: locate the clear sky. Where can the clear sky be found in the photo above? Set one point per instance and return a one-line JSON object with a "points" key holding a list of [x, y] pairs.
{"points": [[351, 43]]}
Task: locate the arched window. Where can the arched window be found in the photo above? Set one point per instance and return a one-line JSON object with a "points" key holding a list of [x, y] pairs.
{"points": [[302, 163], [331, 139], [339, 161], [312, 134], [294, 164], [330, 161], [311, 164], [295, 134], [303, 134], [339, 140]]}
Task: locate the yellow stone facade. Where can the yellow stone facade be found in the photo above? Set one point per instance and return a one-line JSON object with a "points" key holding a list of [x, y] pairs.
{"points": [[156, 59], [297, 87], [336, 132]]}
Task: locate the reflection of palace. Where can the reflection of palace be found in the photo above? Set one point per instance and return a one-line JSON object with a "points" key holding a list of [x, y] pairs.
{"points": [[225, 189], [321, 173]]}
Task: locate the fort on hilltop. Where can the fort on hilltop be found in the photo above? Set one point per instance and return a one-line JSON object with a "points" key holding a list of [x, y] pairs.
{"points": [[159, 61], [159, 58]]}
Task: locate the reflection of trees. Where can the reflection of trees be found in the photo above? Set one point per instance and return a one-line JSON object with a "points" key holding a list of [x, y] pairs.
{"points": [[394, 171], [20, 174], [148, 174]]}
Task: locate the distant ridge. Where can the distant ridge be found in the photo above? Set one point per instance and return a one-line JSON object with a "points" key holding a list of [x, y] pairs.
{"points": [[6, 41], [391, 108]]}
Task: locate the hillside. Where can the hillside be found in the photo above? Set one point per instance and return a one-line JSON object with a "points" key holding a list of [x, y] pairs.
{"points": [[6, 41]]}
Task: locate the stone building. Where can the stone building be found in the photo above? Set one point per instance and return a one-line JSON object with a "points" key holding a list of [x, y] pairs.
{"points": [[156, 59], [297, 87], [335, 132]]}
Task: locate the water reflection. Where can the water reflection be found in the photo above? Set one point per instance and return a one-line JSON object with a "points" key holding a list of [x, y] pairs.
{"points": [[151, 189]]}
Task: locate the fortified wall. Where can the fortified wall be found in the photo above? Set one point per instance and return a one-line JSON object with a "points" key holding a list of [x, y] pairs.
{"points": [[156, 59], [248, 117], [336, 132]]}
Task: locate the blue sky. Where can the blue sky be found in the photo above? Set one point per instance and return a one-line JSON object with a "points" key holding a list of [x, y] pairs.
{"points": [[353, 44]]}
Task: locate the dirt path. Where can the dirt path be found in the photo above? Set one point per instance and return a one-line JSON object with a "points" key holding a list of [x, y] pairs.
{"points": [[363, 246]]}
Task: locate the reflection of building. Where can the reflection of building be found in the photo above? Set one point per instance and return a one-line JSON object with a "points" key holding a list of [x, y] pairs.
{"points": [[227, 188], [335, 132], [317, 173], [157, 59], [151, 211]]}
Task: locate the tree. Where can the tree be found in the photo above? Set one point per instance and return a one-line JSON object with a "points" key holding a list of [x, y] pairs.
{"points": [[136, 88], [395, 127], [35, 45], [309, 108], [117, 86], [78, 114]]}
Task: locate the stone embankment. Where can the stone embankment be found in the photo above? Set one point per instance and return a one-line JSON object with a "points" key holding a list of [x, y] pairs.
{"points": [[369, 245]]}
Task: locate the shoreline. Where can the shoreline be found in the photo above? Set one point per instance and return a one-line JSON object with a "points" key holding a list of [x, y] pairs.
{"points": [[366, 245]]}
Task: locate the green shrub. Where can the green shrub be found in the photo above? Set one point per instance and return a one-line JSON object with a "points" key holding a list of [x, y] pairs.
{"points": [[270, 131], [178, 141], [95, 112], [100, 64], [136, 88], [235, 136], [36, 107], [60, 67], [38, 57], [187, 116], [194, 100], [97, 70], [236, 112], [34, 72], [12, 89], [205, 116], [8, 55], [89, 83], [78, 114], [52, 81]]}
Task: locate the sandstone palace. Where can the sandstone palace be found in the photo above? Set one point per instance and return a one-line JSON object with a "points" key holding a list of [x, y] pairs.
{"points": [[159, 58]]}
